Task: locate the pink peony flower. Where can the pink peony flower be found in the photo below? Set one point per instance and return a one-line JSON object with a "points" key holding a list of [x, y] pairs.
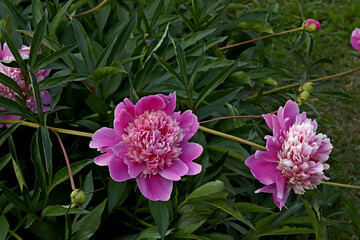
{"points": [[311, 25], [16, 75], [149, 142], [355, 39], [295, 157]]}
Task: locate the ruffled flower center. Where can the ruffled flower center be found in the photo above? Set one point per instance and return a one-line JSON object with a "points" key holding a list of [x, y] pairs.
{"points": [[298, 158], [153, 139]]}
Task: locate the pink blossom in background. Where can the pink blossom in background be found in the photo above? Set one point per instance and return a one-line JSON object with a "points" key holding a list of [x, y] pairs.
{"points": [[295, 156], [311, 25], [149, 142], [16, 75], [355, 39]]}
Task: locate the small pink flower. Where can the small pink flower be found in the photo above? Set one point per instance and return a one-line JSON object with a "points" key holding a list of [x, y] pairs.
{"points": [[311, 25], [295, 157], [16, 75], [149, 142], [355, 39]]}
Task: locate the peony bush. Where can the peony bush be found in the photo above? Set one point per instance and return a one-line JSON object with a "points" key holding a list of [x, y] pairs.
{"points": [[174, 119]]}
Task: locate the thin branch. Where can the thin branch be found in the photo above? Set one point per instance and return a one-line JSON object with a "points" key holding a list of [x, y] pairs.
{"points": [[92, 10]]}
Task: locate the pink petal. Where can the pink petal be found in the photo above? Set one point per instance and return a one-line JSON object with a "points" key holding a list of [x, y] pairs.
{"points": [[104, 137], [269, 156], [272, 189], [127, 105], [170, 102], [291, 110], [149, 103], [194, 168], [175, 171], [280, 185], [135, 168], [118, 170], [155, 187], [120, 149], [190, 151], [122, 120], [104, 159], [264, 171], [9, 117], [269, 120], [188, 123]]}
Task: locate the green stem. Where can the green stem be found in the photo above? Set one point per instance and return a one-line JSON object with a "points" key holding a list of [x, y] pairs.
{"points": [[12, 233], [93, 9], [231, 137], [59, 130], [341, 185], [260, 38], [298, 84]]}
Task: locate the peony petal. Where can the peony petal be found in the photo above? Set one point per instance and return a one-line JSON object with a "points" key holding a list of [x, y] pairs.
{"points": [[280, 185], [190, 151], [170, 102], [104, 137], [118, 170], [269, 156], [135, 168], [272, 189], [269, 120], [9, 117], [194, 168], [188, 123], [175, 171], [149, 103], [155, 187], [122, 120], [264, 171], [120, 149], [291, 110], [104, 159]]}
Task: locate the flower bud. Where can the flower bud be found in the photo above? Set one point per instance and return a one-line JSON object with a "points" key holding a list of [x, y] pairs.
{"points": [[311, 25], [355, 39], [304, 96], [78, 197], [308, 86]]}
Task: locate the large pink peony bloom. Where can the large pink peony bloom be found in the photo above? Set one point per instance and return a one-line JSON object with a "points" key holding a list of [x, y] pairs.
{"points": [[355, 39], [16, 75], [149, 142], [295, 157], [311, 25]]}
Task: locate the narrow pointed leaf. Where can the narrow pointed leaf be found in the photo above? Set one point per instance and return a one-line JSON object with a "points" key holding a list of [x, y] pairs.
{"points": [[169, 69], [52, 82], [160, 213], [37, 157], [4, 227], [7, 132], [57, 18], [15, 14], [14, 199], [5, 160], [47, 147], [37, 96], [9, 82], [181, 60]]}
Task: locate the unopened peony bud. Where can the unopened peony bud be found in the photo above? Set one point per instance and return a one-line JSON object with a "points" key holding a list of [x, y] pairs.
{"points": [[308, 86], [78, 197], [304, 96], [311, 25], [355, 39]]}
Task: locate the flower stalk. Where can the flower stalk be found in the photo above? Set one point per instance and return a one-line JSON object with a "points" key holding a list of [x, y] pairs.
{"points": [[92, 10], [298, 84], [260, 38]]}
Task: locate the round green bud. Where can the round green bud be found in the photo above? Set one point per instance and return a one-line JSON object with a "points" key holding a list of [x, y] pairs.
{"points": [[78, 197], [309, 86], [304, 96]]}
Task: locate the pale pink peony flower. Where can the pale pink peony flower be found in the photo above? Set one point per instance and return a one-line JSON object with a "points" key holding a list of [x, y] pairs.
{"points": [[355, 39], [311, 25], [149, 142], [295, 157], [16, 75]]}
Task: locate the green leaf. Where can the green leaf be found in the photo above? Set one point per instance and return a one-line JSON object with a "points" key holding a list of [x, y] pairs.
{"points": [[240, 77], [37, 38], [216, 81], [37, 96], [52, 82], [19, 175], [255, 25], [54, 56], [352, 211], [38, 158], [150, 233], [209, 192], [59, 210], [181, 60], [194, 72], [101, 73], [47, 146], [9, 82], [57, 18], [188, 223], [14, 199], [318, 229], [117, 193], [250, 207], [16, 109], [15, 52], [84, 45], [160, 213], [4, 227], [169, 69], [7, 132], [122, 39], [37, 11], [287, 230], [97, 104], [268, 80], [232, 211], [5, 160], [89, 223], [18, 18], [63, 174]]}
